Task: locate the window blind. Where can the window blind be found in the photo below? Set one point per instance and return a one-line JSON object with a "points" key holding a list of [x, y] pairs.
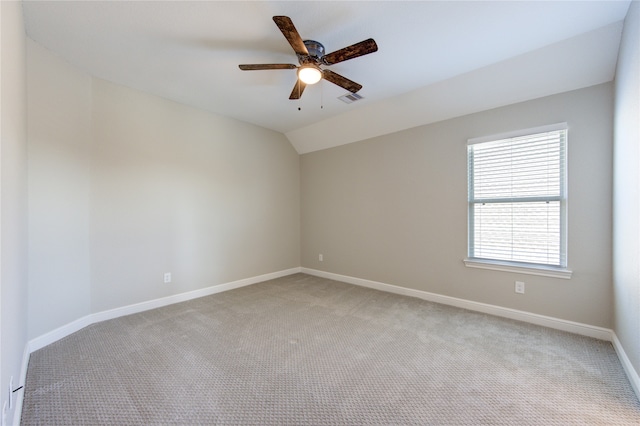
{"points": [[517, 198]]}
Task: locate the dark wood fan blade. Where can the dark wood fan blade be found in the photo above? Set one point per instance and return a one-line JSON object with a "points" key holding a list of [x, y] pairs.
{"points": [[359, 49], [254, 67], [291, 34], [341, 81], [297, 90]]}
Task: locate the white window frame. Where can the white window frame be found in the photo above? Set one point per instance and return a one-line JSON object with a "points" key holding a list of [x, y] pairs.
{"points": [[560, 271]]}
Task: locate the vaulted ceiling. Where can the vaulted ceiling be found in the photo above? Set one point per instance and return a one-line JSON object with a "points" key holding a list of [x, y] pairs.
{"points": [[436, 59]]}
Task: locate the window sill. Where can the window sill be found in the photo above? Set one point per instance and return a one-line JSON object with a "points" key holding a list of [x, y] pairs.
{"points": [[520, 269]]}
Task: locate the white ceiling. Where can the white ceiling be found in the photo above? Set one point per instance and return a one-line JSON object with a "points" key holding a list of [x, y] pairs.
{"points": [[436, 60]]}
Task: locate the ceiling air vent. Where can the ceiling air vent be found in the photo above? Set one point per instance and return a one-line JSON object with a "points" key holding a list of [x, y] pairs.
{"points": [[350, 98]]}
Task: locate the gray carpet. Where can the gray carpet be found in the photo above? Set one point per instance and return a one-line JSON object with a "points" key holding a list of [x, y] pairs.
{"points": [[302, 350]]}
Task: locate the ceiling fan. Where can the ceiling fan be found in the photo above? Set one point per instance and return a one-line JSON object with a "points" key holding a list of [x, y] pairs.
{"points": [[311, 57]]}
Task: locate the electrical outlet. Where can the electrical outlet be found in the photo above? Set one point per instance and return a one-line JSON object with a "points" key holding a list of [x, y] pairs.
{"points": [[520, 287], [320, 257], [167, 277]]}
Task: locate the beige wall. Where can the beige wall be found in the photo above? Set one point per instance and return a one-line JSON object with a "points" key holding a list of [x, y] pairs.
{"points": [[59, 190], [178, 190], [393, 209], [13, 200], [626, 204], [125, 186]]}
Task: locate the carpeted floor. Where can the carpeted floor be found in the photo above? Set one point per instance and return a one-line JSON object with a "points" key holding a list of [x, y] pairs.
{"points": [[302, 350]]}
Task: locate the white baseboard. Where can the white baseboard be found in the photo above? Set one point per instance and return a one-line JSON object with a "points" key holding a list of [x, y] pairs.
{"points": [[80, 323], [631, 372], [555, 323], [183, 297]]}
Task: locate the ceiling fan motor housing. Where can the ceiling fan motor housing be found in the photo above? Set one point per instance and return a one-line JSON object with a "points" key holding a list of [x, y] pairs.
{"points": [[316, 51]]}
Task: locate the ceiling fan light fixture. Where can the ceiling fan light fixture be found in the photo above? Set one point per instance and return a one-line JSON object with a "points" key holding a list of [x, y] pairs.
{"points": [[311, 57], [309, 74]]}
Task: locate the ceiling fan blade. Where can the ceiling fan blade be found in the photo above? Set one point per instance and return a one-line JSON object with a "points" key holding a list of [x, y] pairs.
{"points": [[297, 90], [291, 34], [341, 81], [254, 67], [359, 49]]}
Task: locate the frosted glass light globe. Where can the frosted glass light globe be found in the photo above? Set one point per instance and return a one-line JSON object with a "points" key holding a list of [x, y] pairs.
{"points": [[309, 75]]}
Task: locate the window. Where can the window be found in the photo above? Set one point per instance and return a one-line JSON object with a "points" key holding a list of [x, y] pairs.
{"points": [[517, 201]]}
